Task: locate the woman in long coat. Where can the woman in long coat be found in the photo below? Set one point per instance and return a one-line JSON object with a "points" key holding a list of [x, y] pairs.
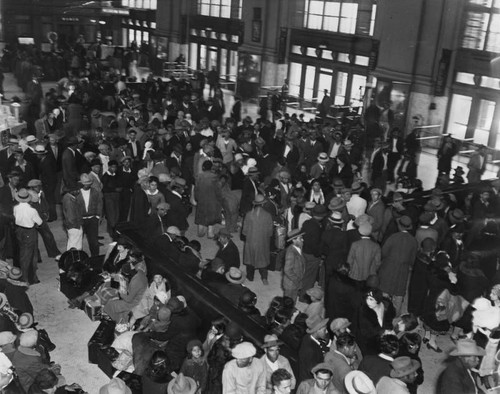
{"points": [[208, 196], [257, 230]]}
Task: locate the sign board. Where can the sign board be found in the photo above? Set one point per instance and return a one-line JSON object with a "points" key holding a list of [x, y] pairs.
{"points": [[116, 11]]}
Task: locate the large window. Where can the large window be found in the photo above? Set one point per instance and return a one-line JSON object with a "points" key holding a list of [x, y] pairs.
{"points": [[219, 8], [140, 4], [482, 25], [337, 16]]}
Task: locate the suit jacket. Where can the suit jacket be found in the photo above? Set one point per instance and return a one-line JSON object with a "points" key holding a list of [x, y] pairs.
{"points": [[455, 379], [340, 367], [247, 196], [310, 354], [47, 170], [95, 203], [377, 212], [7, 202], [6, 162], [178, 213], [130, 151], [57, 159], [153, 225], [230, 255], [294, 269], [378, 165], [69, 167]]}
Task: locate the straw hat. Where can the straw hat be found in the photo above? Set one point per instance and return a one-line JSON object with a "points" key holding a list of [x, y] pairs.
{"points": [[294, 234], [467, 347], [25, 321], [115, 386], [86, 180], [323, 158], [40, 150], [336, 218], [23, 195], [235, 275], [403, 366], [336, 204], [357, 382]]}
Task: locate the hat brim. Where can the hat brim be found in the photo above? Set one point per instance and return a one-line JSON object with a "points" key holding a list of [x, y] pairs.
{"points": [[415, 365], [349, 382], [236, 281], [336, 207], [290, 239], [479, 352], [317, 326], [40, 153], [272, 344], [345, 325], [191, 390], [20, 199]]}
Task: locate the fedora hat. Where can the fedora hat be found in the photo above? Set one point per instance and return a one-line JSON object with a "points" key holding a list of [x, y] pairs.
{"points": [[434, 204], [336, 218], [315, 324], [309, 205], [336, 203], [376, 190], [323, 157], [405, 222], [403, 366], [339, 324], [13, 141], [319, 211], [259, 199], [338, 183], [425, 218], [178, 181], [271, 341], [15, 273], [86, 180], [34, 183], [125, 158], [23, 195], [364, 218], [25, 321], [357, 382], [72, 140], [294, 234], [338, 132], [224, 232], [456, 216], [3, 300], [253, 171], [235, 275], [467, 347], [40, 150], [356, 187]]}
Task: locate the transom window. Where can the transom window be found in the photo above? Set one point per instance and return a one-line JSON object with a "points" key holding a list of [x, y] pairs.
{"points": [[219, 8], [337, 16]]}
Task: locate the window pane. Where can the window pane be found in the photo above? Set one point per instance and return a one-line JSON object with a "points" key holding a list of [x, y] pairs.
{"points": [[225, 12], [314, 22], [325, 82], [475, 30], [294, 78], [154, 4], [193, 55], [459, 115], [357, 90], [341, 89], [488, 82], [465, 78], [332, 9], [309, 82], [484, 120], [362, 60], [205, 9], [372, 19], [214, 10], [493, 41], [348, 15], [343, 57], [331, 23]]}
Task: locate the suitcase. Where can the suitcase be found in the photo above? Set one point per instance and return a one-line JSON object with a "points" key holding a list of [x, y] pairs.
{"points": [[93, 309]]}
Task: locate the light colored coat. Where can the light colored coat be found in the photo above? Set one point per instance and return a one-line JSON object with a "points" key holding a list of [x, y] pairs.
{"points": [[282, 363], [248, 380]]}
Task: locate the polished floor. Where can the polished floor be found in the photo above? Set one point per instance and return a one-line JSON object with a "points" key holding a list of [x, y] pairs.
{"points": [[71, 329]]}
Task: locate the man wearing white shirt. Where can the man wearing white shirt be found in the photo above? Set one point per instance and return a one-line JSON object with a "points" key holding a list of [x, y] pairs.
{"points": [[26, 218], [356, 206]]}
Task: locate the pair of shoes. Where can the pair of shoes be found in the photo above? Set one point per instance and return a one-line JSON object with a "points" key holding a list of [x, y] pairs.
{"points": [[265, 282], [436, 349]]}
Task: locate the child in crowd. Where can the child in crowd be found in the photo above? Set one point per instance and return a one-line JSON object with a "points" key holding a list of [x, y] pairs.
{"points": [[195, 365], [159, 285], [160, 300]]}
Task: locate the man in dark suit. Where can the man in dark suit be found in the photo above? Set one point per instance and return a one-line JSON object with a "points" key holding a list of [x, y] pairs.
{"points": [[250, 190], [294, 268], [313, 348], [213, 276], [29, 154], [156, 225], [379, 166], [460, 376], [7, 158], [128, 178], [178, 213], [69, 164], [228, 251], [233, 290], [134, 148], [47, 171], [395, 150], [8, 240], [90, 202]]}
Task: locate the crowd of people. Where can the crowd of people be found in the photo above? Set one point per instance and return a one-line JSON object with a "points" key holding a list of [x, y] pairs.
{"points": [[370, 270]]}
